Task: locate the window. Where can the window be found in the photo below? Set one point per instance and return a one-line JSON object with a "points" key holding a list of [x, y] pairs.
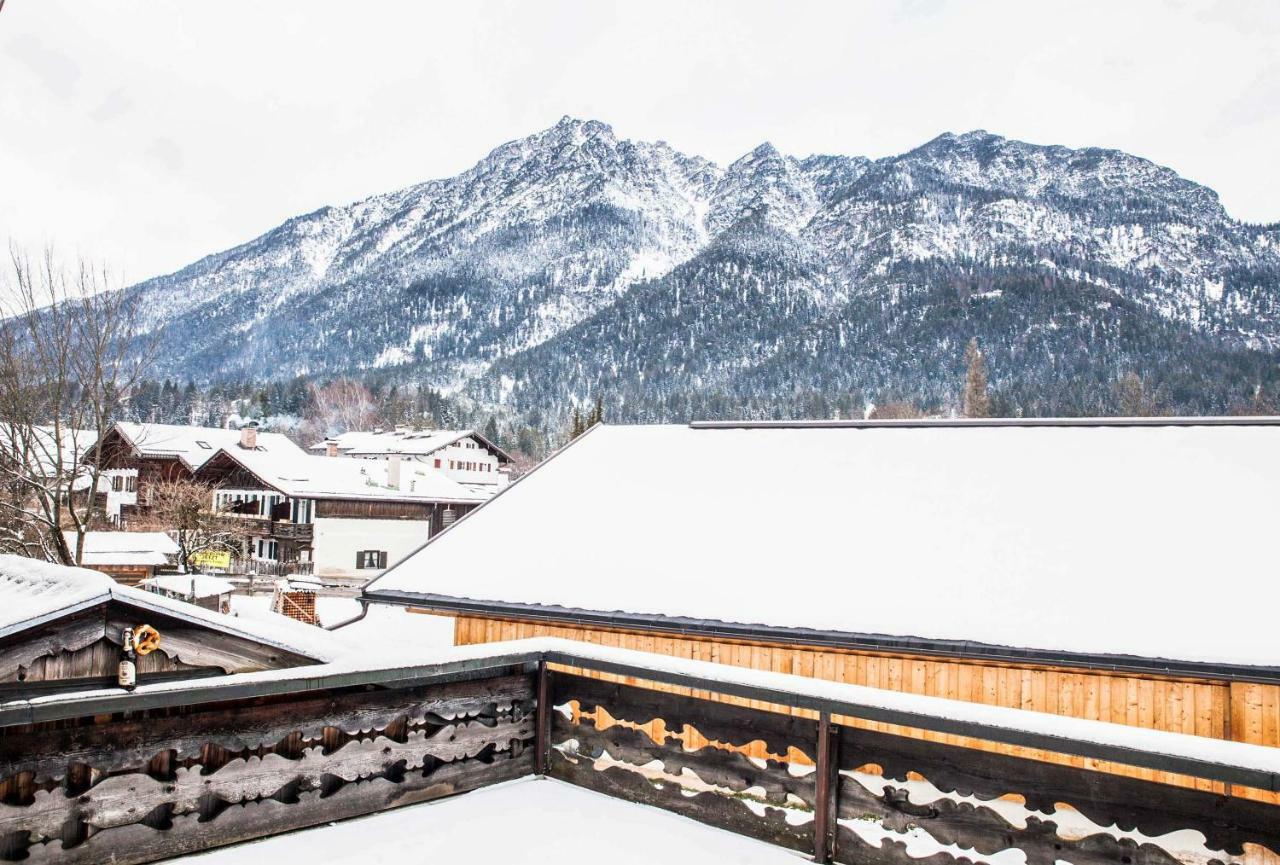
{"points": [[366, 559], [204, 445], [131, 484], [437, 463], [117, 484]]}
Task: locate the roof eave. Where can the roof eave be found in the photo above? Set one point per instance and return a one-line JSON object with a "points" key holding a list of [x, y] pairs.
{"points": [[882, 643]]}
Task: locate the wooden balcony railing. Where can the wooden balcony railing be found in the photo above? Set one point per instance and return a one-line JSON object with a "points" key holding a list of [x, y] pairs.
{"points": [[803, 767], [302, 532]]}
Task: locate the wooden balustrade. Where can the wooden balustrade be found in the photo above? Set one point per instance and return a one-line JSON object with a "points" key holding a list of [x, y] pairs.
{"points": [[131, 778]]}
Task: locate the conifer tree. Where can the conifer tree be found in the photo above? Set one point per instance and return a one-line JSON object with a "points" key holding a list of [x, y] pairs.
{"points": [[597, 414], [977, 401]]}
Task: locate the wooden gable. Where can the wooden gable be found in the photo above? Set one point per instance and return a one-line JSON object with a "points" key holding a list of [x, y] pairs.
{"points": [[82, 649], [224, 471]]}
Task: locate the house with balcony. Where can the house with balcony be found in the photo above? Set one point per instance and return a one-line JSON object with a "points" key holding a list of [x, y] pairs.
{"points": [[464, 456], [137, 454], [343, 518]]}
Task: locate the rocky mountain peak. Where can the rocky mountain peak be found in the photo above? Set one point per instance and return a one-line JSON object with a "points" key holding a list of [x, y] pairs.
{"points": [[571, 261]]}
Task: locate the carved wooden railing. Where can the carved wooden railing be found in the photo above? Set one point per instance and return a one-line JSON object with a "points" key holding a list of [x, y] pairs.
{"points": [[158, 785], [132, 778], [879, 799]]}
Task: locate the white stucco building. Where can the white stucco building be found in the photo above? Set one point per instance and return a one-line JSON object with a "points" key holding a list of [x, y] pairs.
{"points": [[463, 456], [335, 517]]}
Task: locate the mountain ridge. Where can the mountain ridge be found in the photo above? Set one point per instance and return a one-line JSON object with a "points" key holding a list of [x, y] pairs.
{"points": [[475, 284]]}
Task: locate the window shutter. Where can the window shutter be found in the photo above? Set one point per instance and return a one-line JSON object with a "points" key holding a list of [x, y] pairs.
{"points": [[359, 560], [382, 560]]}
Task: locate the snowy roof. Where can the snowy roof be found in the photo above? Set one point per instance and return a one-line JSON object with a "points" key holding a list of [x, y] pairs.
{"points": [[301, 475], [124, 548], [541, 820], [195, 444], [401, 441], [46, 446], [201, 585], [33, 592], [1146, 541]]}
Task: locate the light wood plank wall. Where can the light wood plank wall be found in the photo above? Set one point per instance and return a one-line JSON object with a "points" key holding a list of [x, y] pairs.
{"points": [[1243, 712]]}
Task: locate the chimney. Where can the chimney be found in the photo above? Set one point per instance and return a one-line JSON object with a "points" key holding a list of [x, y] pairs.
{"points": [[330, 447], [249, 436], [393, 471]]}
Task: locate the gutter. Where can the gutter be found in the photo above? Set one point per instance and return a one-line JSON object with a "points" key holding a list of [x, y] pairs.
{"points": [[364, 611], [879, 643]]}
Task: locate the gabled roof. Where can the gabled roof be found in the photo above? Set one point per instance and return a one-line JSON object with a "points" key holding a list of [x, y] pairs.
{"points": [[124, 548], [45, 447], [194, 445], [201, 585], [1150, 540], [301, 475], [33, 592], [406, 442]]}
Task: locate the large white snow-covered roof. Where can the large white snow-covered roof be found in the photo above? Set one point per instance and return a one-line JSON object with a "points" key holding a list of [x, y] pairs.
{"points": [[302, 475], [124, 548], [33, 592], [194, 445], [1152, 541]]}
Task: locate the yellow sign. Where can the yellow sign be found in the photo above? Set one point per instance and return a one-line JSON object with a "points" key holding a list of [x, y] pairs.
{"points": [[212, 559]]}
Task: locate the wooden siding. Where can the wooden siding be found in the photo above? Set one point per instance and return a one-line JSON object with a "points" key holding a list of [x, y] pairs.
{"points": [[1248, 713], [126, 575], [371, 510]]}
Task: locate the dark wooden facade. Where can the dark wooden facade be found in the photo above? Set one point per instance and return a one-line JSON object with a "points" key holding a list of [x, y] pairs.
{"points": [[118, 453]]}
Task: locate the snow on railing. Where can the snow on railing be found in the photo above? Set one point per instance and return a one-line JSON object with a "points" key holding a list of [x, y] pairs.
{"points": [[823, 776]]}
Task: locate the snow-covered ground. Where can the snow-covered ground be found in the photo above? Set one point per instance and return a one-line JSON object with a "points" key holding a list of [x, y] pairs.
{"points": [[540, 820], [389, 626]]}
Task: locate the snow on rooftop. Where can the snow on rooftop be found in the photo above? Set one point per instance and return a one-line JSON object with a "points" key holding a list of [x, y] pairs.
{"points": [[1154, 541], [124, 548], [195, 444], [540, 820], [395, 441], [47, 446], [33, 592], [199, 585], [400, 441], [302, 475]]}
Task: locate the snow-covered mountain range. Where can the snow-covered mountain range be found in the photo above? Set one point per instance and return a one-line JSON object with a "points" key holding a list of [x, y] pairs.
{"points": [[572, 263]]}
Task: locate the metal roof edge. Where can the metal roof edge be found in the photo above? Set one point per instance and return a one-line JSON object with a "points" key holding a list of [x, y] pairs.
{"points": [[988, 423], [883, 643]]}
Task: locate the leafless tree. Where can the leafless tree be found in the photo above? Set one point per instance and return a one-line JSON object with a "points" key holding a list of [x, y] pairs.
{"points": [[977, 400], [184, 508], [340, 406], [1135, 399], [70, 352]]}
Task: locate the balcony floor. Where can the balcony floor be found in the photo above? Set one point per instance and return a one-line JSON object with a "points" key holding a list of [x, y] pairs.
{"points": [[528, 820]]}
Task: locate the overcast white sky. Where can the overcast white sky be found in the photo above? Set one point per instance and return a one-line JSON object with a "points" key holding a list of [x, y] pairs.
{"points": [[147, 134]]}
